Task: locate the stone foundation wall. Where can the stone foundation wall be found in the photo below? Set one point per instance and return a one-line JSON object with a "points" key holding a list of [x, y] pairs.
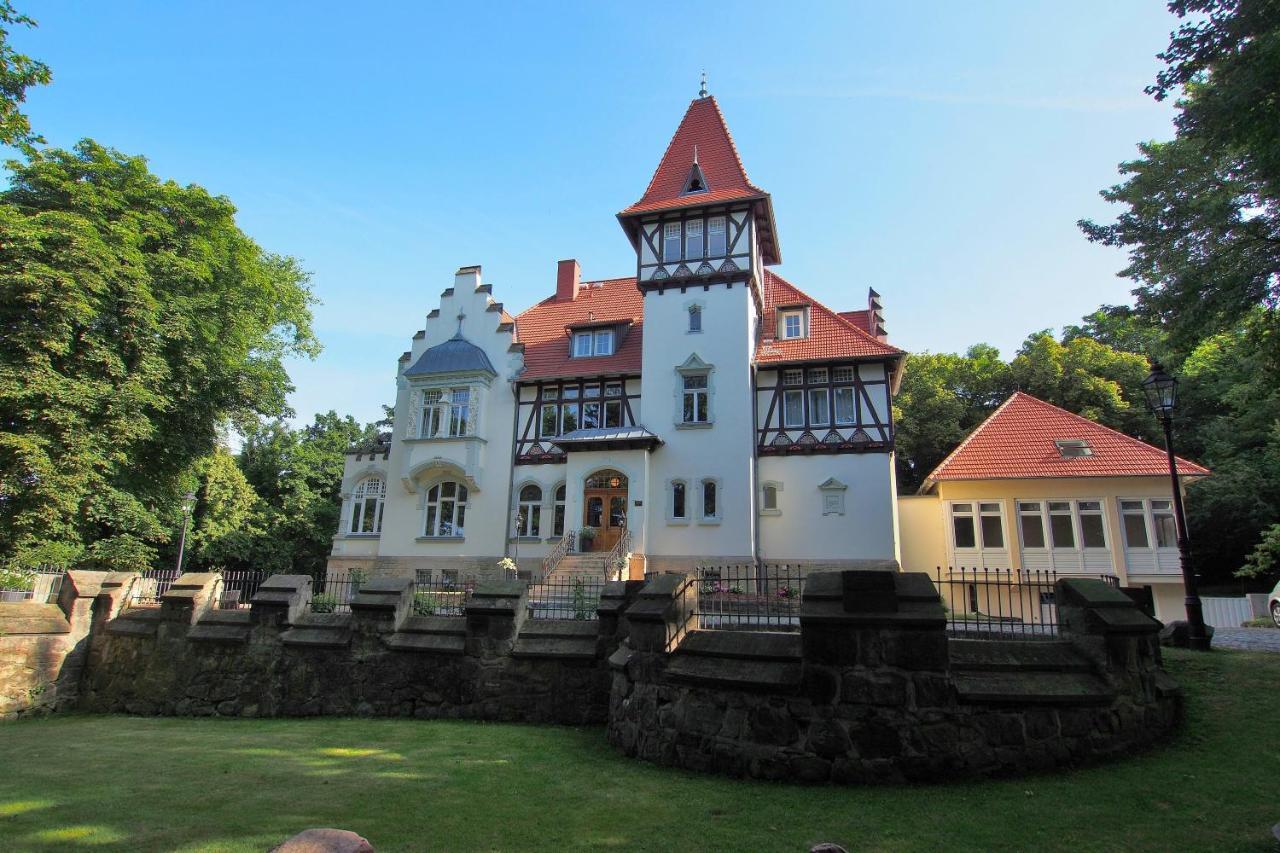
{"points": [[277, 660], [870, 693]]}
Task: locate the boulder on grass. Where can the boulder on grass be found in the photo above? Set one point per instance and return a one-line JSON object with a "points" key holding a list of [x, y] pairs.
{"points": [[1176, 633], [324, 841]]}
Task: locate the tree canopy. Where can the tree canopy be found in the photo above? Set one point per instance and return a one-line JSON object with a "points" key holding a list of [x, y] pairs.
{"points": [[18, 73], [138, 320]]}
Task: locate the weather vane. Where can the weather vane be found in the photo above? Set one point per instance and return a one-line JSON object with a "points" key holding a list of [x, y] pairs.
{"points": [[702, 92]]}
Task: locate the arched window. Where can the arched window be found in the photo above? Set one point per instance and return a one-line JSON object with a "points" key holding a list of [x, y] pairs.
{"points": [[529, 519], [710, 507], [446, 509], [557, 511], [679, 507], [366, 506]]}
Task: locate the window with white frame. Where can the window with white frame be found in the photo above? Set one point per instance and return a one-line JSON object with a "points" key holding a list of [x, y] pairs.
{"points": [[446, 413], [529, 514], [710, 500], [791, 324], [366, 506], [717, 243], [769, 498], [693, 239], [593, 343], [695, 318], [793, 377], [557, 511], [671, 242], [694, 407], [549, 425], [977, 525], [1062, 525], [446, 510], [613, 404], [1149, 514], [679, 501], [819, 407], [793, 408]]}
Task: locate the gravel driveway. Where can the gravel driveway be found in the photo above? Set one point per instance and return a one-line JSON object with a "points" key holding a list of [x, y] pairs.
{"points": [[1247, 639]]}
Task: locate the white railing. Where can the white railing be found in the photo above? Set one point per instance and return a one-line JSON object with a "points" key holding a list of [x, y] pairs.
{"points": [[616, 563]]}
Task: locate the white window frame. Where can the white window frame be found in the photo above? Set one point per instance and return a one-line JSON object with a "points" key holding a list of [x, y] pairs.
{"points": [[695, 318], [793, 408], [717, 233], [528, 512], [671, 242], [372, 489], [977, 510], [1049, 554], [449, 412], [672, 486], [776, 487], [785, 326], [693, 231], [717, 498], [603, 342], [701, 398], [433, 524], [1149, 513], [559, 509]]}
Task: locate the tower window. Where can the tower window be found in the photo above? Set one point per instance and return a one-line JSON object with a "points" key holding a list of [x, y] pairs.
{"points": [[671, 241], [717, 247], [695, 318], [693, 239], [695, 399]]}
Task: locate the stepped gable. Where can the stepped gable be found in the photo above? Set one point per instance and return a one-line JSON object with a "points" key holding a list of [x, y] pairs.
{"points": [[831, 335], [1019, 440], [543, 330]]}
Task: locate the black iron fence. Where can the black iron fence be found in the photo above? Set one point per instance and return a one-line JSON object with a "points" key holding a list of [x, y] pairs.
{"points": [[40, 584], [151, 587], [1001, 604], [749, 597], [565, 598], [332, 593], [238, 588], [440, 597]]}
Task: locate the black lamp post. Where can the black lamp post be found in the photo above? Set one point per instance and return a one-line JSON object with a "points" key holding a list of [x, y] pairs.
{"points": [[1161, 391], [188, 504]]}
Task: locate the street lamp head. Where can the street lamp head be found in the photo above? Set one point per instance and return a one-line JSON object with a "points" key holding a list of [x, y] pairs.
{"points": [[1161, 391], [188, 502]]}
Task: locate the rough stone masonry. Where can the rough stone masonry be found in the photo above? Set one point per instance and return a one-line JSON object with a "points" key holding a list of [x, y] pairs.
{"points": [[871, 689]]}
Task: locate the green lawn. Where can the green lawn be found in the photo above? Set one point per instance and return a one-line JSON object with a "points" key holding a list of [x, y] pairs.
{"points": [[122, 783]]}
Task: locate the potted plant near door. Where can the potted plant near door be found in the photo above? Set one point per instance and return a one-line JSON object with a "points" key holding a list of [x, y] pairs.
{"points": [[587, 538]]}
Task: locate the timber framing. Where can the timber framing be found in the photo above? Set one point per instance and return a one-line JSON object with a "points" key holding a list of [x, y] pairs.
{"points": [[870, 431], [534, 446]]}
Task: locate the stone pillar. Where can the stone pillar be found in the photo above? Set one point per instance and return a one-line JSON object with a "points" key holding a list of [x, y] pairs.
{"points": [[381, 605], [191, 596], [494, 614], [1109, 628], [662, 612], [873, 619], [90, 599], [614, 600], [280, 601]]}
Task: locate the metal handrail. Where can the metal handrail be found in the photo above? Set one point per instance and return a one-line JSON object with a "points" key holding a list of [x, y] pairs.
{"points": [[616, 559], [565, 546]]}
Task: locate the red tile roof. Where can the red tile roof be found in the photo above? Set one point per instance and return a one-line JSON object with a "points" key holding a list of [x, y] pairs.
{"points": [[703, 128], [1017, 442], [543, 330], [831, 335], [861, 319]]}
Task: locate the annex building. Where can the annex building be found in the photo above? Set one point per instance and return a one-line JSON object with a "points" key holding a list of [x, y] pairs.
{"points": [[701, 408]]}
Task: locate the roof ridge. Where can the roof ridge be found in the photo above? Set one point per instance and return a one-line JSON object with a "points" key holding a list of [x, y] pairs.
{"points": [[929, 480], [836, 314]]}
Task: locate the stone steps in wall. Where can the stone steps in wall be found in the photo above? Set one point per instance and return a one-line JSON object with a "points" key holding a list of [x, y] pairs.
{"points": [[227, 617], [1016, 656], [136, 622], [320, 631], [443, 635], [573, 639], [738, 660], [1021, 687], [218, 632]]}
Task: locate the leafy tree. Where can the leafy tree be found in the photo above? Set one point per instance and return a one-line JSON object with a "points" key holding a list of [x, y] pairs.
{"points": [[228, 518], [298, 474], [137, 320], [17, 74], [1119, 327]]}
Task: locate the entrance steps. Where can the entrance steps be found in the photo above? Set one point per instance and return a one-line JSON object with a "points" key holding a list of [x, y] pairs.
{"points": [[579, 566]]}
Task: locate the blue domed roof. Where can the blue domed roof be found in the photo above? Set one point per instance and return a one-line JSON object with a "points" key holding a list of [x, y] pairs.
{"points": [[456, 355]]}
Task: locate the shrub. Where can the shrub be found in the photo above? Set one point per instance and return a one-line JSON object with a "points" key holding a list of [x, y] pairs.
{"points": [[18, 580], [324, 603]]}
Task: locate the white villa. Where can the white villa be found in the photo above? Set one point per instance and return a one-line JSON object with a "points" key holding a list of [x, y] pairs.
{"points": [[701, 408]]}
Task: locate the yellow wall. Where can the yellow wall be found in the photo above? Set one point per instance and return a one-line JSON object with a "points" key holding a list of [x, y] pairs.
{"points": [[920, 536], [924, 533]]}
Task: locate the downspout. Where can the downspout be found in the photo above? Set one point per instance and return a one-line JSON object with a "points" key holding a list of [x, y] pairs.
{"points": [[755, 466], [511, 469]]}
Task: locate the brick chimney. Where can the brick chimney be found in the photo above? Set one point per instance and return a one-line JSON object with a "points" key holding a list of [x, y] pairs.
{"points": [[568, 278]]}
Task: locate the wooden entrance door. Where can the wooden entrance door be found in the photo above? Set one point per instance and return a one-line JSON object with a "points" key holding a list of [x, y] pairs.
{"points": [[604, 509]]}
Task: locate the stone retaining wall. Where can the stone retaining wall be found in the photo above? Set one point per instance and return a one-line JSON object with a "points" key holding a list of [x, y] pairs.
{"points": [[869, 690]]}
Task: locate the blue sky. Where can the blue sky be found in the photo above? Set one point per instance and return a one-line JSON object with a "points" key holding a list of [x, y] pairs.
{"points": [[939, 152]]}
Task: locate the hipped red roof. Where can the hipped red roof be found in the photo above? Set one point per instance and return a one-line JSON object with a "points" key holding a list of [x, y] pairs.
{"points": [[831, 335], [543, 330], [1018, 441]]}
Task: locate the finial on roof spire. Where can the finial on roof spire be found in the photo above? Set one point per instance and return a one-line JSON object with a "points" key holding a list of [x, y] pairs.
{"points": [[695, 155], [462, 315], [702, 91]]}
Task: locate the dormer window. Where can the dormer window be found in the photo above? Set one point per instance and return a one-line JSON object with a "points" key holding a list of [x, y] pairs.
{"points": [[592, 343], [791, 324], [695, 183], [1073, 448]]}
